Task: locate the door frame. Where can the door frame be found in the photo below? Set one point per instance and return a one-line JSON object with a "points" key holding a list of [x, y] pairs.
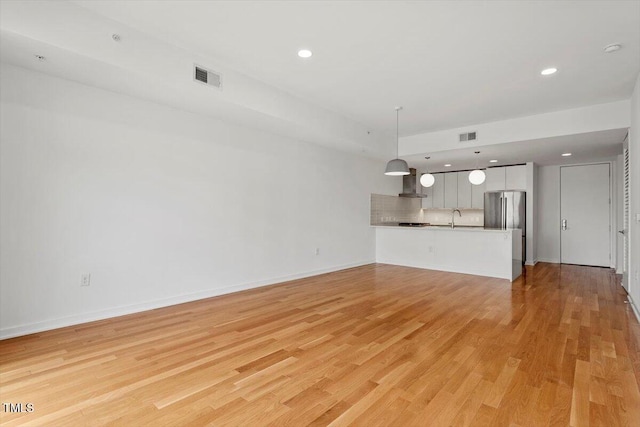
{"points": [[612, 202], [625, 282]]}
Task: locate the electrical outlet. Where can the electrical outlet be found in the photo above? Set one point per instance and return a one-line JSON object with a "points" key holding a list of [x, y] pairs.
{"points": [[317, 251], [85, 279]]}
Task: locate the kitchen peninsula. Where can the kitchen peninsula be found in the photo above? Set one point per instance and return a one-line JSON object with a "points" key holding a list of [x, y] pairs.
{"points": [[470, 250]]}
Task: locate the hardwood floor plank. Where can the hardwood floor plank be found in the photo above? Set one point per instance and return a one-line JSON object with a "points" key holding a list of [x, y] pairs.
{"points": [[580, 400], [373, 345]]}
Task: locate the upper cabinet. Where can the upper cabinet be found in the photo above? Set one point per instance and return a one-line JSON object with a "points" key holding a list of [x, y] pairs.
{"points": [[506, 178], [516, 178], [477, 195], [495, 179], [438, 191], [427, 202], [464, 190], [451, 190], [435, 193]]}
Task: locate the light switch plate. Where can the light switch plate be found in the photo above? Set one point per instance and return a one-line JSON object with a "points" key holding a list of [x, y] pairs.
{"points": [[638, 217]]}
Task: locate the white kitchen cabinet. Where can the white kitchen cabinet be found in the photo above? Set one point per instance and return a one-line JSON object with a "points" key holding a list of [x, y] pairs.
{"points": [[427, 202], [516, 178], [495, 180], [464, 190], [506, 178], [477, 195], [438, 191], [450, 190]]}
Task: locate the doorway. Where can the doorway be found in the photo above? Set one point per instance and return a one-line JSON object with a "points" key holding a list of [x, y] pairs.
{"points": [[585, 214]]}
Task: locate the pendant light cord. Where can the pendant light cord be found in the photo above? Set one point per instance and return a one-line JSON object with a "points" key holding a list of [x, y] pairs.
{"points": [[397, 133]]}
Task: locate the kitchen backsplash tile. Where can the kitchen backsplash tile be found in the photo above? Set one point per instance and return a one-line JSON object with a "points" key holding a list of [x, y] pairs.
{"points": [[394, 209], [469, 217], [385, 209]]}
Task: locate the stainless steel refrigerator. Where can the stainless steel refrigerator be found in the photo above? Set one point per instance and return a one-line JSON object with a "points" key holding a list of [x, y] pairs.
{"points": [[504, 210]]}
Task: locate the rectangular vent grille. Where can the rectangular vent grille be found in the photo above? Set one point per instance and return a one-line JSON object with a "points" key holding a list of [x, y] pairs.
{"points": [[469, 136], [207, 77]]}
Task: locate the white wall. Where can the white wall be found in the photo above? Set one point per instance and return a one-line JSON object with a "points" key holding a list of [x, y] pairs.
{"points": [[634, 223], [159, 205], [548, 209], [532, 220]]}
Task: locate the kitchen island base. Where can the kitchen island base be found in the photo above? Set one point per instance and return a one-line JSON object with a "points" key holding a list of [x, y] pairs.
{"points": [[492, 253]]}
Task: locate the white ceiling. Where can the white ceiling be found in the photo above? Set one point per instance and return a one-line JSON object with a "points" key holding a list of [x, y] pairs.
{"points": [[449, 63]]}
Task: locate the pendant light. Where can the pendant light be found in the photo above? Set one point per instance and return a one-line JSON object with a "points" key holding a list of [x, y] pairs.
{"points": [[476, 176], [427, 180], [397, 167]]}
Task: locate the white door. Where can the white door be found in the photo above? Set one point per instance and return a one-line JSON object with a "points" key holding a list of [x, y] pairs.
{"points": [[625, 225], [585, 236]]}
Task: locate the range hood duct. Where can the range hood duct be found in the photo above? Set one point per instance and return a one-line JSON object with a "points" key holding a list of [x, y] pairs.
{"points": [[410, 184]]}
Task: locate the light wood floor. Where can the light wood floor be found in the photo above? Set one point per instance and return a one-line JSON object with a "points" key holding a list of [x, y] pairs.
{"points": [[375, 345]]}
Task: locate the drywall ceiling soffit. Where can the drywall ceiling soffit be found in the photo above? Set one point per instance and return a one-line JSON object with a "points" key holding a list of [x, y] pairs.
{"points": [[594, 118], [586, 147], [448, 63], [143, 66]]}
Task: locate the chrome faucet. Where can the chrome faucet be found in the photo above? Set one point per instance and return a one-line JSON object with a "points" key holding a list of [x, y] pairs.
{"points": [[452, 215]]}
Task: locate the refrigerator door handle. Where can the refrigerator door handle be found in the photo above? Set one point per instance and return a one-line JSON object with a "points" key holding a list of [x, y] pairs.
{"points": [[504, 213]]}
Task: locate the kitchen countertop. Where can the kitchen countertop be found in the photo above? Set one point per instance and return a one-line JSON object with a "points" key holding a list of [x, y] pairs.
{"points": [[444, 228]]}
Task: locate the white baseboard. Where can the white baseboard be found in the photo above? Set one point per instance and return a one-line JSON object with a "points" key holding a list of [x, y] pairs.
{"points": [[549, 260], [31, 328], [532, 263], [634, 307]]}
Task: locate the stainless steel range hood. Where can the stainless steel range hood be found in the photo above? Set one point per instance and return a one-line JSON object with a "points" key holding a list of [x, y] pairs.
{"points": [[409, 185]]}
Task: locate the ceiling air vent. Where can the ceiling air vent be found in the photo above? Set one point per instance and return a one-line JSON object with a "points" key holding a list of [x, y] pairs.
{"points": [[208, 77], [469, 136]]}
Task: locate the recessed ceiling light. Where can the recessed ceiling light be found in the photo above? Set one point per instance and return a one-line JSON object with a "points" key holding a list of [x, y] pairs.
{"points": [[612, 47], [448, 165], [305, 53], [493, 161], [40, 58], [548, 71], [566, 154]]}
